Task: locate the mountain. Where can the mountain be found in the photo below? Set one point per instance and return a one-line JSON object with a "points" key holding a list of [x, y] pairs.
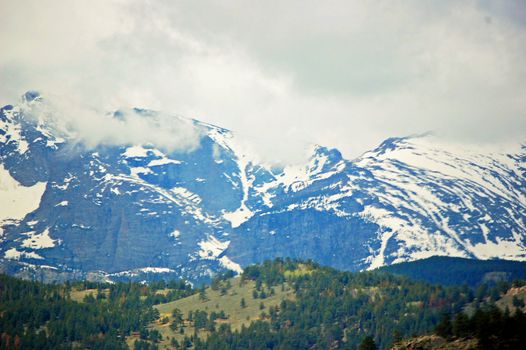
{"points": [[141, 211], [408, 199]]}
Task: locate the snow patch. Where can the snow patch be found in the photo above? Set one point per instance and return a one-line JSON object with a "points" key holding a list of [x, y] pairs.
{"points": [[39, 241], [163, 161], [229, 264], [239, 216], [14, 254], [136, 152], [137, 272], [16, 200], [212, 248], [155, 270], [501, 249]]}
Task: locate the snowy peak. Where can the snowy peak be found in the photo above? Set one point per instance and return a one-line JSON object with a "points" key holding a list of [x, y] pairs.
{"points": [[31, 96], [410, 198], [448, 199], [496, 168], [324, 160], [132, 208], [398, 143]]}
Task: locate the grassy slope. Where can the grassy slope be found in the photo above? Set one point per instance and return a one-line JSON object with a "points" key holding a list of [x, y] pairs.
{"points": [[79, 295], [230, 303]]}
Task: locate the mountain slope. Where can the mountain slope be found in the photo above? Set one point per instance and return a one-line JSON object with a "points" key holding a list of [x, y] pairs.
{"points": [[113, 208], [410, 198], [140, 210]]}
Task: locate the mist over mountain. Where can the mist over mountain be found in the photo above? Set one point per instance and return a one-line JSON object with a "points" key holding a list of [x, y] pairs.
{"points": [[178, 197]]}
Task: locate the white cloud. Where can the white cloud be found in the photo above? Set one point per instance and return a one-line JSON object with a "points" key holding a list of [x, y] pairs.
{"points": [[91, 127], [282, 74]]}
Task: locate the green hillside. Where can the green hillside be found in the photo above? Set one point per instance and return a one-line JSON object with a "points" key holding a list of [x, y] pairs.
{"points": [[226, 302], [305, 306], [283, 304]]}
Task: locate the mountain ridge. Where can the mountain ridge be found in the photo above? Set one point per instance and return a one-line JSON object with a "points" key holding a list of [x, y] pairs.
{"points": [[123, 209]]}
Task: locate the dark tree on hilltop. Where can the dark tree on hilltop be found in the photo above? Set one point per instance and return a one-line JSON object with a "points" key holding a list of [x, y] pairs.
{"points": [[367, 344]]}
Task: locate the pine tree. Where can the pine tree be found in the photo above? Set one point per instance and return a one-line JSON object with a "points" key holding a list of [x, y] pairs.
{"points": [[202, 294], [367, 344], [444, 327]]}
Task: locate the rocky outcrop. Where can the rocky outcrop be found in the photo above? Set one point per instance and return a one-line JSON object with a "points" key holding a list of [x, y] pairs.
{"points": [[434, 342]]}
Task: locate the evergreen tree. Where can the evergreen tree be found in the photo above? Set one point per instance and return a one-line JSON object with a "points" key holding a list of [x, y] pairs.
{"points": [[461, 325], [367, 344], [444, 327], [202, 294]]}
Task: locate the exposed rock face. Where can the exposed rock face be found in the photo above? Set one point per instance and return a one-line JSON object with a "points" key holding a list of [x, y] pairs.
{"points": [[141, 211], [434, 342], [113, 208]]}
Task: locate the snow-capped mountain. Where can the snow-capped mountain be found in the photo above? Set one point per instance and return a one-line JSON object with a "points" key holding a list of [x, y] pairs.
{"points": [[140, 211], [408, 199]]}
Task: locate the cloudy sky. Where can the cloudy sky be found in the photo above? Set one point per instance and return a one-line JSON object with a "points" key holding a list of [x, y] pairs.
{"points": [[281, 74]]}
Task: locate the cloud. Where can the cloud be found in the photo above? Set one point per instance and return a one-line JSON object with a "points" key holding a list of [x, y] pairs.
{"points": [[91, 127], [345, 74]]}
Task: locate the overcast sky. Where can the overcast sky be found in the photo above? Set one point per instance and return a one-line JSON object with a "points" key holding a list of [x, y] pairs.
{"points": [[282, 74]]}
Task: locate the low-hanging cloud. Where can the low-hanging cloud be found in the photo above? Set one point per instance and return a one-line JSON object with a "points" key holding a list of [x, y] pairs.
{"points": [[91, 127], [345, 74]]}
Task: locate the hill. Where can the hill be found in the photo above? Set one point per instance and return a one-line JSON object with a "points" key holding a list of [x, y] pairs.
{"points": [[281, 304], [488, 327], [458, 271], [307, 306]]}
